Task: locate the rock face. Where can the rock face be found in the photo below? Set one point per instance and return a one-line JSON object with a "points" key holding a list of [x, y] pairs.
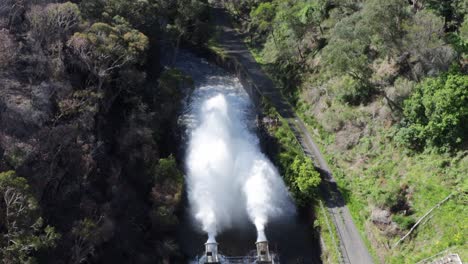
{"points": [[381, 216], [382, 219]]}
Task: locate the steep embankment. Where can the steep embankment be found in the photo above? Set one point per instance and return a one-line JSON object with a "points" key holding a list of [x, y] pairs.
{"points": [[88, 123], [352, 247]]}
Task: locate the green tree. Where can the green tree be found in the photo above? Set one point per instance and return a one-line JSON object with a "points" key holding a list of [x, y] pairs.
{"points": [[189, 22], [103, 49], [346, 52], [142, 15], [53, 21], [463, 37], [86, 235], [425, 41], [464, 31], [261, 19], [424, 32], [166, 193], [307, 178], [22, 230], [384, 19], [436, 113], [352, 91], [452, 11]]}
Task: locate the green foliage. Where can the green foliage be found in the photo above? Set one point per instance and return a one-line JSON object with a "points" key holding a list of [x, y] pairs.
{"points": [[296, 168], [164, 217], [142, 15], [353, 92], [189, 21], [307, 178], [172, 82], [346, 51], [341, 54], [173, 86], [24, 233], [384, 19], [386, 195], [404, 222], [166, 194], [54, 21], [105, 48], [453, 11], [167, 169], [436, 113], [262, 17], [460, 40], [424, 32], [85, 229], [464, 31], [400, 91], [312, 12], [286, 32]]}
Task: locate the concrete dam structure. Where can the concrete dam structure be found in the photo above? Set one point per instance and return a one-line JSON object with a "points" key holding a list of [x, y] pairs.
{"points": [[235, 195], [262, 255]]}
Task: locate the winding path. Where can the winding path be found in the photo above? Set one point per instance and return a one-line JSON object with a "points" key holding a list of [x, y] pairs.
{"points": [[351, 245]]}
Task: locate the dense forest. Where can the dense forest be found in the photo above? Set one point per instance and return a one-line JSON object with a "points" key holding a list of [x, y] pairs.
{"points": [[88, 129], [89, 139]]}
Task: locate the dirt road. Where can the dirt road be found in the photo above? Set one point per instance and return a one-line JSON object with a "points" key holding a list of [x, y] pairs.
{"points": [[351, 245]]}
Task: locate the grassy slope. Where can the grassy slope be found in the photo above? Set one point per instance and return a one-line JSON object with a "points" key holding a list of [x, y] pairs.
{"points": [[430, 176], [366, 170]]}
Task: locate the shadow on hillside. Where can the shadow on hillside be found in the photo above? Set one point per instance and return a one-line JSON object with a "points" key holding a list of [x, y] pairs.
{"points": [[334, 195]]}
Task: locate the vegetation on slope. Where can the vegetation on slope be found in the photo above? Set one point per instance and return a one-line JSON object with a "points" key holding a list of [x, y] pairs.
{"points": [[384, 85], [88, 123], [297, 170], [302, 179]]}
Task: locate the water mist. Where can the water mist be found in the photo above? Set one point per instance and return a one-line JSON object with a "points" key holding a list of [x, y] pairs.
{"points": [[228, 179], [227, 175]]}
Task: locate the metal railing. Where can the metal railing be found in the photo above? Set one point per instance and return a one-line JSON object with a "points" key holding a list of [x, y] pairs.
{"points": [[248, 259]]}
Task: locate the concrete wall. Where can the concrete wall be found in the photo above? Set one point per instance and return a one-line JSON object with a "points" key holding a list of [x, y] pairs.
{"points": [[233, 66]]}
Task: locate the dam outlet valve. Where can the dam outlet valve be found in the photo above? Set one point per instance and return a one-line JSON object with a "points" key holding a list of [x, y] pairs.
{"points": [[211, 253], [263, 253]]}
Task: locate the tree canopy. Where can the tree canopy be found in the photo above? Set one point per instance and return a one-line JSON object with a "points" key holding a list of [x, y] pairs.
{"points": [[105, 48], [436, 114], [23, 233]]}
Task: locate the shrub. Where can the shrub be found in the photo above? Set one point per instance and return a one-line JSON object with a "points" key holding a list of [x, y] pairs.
{"points": [[353, 91], [167, 170], [400, 90], [262, 17], [464, 31], [307, 178], [436, 113], [386, 195], [404, 222]]}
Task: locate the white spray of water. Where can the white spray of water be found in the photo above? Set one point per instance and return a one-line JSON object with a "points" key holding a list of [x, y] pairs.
{"points": [[227, 175]]}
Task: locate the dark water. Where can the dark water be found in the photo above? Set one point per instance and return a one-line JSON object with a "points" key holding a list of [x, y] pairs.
{"points": [[291, 237]]}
